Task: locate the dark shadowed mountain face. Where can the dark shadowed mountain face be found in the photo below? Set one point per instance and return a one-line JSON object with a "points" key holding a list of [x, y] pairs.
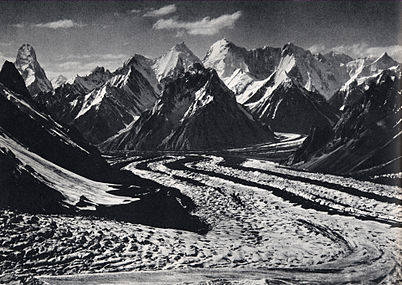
{"points": [[21, 119], [11, 79], [196, 111], [366, 72], [290, 108], [366, 139]]}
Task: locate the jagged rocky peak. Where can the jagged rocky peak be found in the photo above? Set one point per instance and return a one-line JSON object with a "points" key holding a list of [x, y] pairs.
{"points": [[338, 57], [385, 57], [219, 45], [384, 61], [362, 76], [225, 57], [360, 70], [388, 76], [143, 65], [195, 77], [26, 56], [98, 72], [102, 103], [31, 71], [300, 54], [181, 47], [97, 77], [286, 106], [290, 48], [136, 59]]}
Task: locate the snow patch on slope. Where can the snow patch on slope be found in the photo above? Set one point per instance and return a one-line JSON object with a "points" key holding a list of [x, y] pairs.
{"points": [[71, 185]]}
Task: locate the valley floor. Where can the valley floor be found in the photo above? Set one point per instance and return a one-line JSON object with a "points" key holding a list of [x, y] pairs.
{"points": [[269, 225]]}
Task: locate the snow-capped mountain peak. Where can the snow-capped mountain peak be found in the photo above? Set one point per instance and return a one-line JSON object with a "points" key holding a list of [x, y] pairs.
{"points": [[58, 81], [223, 43], [217, 47], [312, 72], [363, 69], [225, 57], [384, 61], [238, 67], [34, 76], [179, 58]]}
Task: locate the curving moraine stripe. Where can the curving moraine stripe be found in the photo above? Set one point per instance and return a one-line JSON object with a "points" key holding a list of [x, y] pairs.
{"points": [[230, 162], [180, 164], [364, 262]]}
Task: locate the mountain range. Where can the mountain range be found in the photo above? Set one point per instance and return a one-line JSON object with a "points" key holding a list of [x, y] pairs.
{"points": [[179, 102]]}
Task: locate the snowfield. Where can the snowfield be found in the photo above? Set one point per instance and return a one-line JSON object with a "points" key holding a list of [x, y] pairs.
{"points": [[269, 225]]}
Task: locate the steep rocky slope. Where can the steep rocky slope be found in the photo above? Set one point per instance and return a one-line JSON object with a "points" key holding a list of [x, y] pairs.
{"points": [[366, 141]]}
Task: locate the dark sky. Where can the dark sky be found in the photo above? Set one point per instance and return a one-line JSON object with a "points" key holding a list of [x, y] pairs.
{"points": [[74, 36]]}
